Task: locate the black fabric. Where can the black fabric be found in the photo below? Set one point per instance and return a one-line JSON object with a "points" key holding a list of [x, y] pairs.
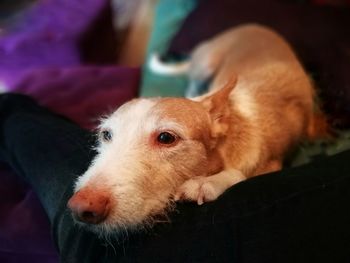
{"points": [[297, 215]]}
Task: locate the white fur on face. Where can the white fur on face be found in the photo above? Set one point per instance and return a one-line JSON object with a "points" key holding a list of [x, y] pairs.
{"points": [[140, 176]]}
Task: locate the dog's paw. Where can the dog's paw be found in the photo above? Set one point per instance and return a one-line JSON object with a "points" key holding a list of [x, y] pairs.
{"points": [[198, 190], [208, 188]]}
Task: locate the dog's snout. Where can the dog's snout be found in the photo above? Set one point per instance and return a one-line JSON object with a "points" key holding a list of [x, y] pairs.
{"points": [[89, 206]]}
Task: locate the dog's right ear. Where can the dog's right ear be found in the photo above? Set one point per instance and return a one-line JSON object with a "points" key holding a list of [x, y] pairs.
{"points": [[218, 107]]}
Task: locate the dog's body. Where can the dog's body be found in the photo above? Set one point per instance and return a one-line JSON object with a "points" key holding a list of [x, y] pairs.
{"points": [[260, 105]]}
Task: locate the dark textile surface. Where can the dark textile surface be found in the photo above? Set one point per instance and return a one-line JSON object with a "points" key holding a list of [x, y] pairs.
{"points": [[24, 228], [319, 34], [297, 215]]}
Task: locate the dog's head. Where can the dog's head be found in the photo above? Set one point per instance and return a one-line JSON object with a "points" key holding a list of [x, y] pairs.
{"points": [[147, 149]]}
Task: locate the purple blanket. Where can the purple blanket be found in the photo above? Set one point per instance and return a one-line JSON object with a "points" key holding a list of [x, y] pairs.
{"points": [[48, 34], [81, 93]]}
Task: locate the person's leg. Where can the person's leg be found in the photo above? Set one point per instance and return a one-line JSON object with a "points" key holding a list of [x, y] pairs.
{"points": [[48, 151]]}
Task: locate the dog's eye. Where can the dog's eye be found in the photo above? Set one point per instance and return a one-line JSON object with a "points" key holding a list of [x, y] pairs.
{"points": [[106, 135], [166, 138]]}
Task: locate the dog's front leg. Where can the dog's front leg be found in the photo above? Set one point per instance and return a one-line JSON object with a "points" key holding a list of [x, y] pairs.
{"points": [[208, 188]]}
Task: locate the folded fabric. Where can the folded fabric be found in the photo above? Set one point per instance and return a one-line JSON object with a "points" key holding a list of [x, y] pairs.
{"points": [[83, 93]]}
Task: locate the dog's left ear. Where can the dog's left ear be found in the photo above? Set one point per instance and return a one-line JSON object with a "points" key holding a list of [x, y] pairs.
{"points": [[218, 106]]}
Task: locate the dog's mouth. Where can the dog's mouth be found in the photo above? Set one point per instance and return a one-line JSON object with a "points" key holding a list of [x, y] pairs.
{"points": [[90, 218]]}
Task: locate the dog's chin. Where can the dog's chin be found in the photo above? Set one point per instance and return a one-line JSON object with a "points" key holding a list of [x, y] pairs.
{"points": [[105, 229], [120, 227]]}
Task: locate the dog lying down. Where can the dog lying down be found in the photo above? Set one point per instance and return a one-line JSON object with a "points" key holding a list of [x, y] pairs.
{"points": [[155, 151]]}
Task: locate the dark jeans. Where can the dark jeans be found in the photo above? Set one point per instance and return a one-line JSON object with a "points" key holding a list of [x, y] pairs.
{"points": [[297, 215]]}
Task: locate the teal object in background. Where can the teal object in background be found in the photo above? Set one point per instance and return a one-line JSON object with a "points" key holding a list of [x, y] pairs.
{"points": [[169, 17]]}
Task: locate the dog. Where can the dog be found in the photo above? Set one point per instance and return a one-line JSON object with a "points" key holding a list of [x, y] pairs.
{"points": [[153, 152]]}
